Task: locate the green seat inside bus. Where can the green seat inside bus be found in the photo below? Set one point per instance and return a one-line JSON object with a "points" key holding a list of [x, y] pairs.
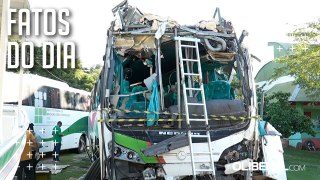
{"points": [[134, 102], [218, 90]]}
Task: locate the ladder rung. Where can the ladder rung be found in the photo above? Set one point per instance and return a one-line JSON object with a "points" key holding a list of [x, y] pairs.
{"points": [[203, 170], [189, 46], [196, 89], [187, 39], [190, 119], [191, 74], [192, 43], [193, 60], [202, 153], [195, 104], [199, 136]]}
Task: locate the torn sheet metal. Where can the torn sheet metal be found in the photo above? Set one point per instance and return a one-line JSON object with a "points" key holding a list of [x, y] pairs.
{"points": [[156, 20], [118, 22], [126, 16], [208, 25], [273, 157], [222, 56], [134, 45], [170, 144], [161, 30]]}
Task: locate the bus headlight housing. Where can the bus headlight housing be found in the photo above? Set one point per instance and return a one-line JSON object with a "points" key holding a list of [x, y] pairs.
{"points": [[117, 151], [126, 154], [130, 155]]}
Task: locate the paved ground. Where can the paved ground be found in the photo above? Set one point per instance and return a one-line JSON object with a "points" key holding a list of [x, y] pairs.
{"points": [[79, 164]]}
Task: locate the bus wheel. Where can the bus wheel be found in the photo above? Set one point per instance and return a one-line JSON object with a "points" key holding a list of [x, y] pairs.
{"points": [[82, 145]]}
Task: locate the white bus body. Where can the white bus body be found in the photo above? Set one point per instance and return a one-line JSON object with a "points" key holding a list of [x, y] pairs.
{"points": [[48, 101]]}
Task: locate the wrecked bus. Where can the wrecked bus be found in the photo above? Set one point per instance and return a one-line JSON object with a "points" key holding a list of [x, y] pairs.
{"points": [[176, 102]]}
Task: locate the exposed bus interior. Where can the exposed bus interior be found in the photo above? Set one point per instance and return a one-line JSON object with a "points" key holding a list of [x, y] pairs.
{"points": [[137, 59], [138, 107]]}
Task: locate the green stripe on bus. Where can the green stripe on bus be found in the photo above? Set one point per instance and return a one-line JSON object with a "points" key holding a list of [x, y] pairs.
{"points": [[81, 125], [10, 152], [135, 145]]}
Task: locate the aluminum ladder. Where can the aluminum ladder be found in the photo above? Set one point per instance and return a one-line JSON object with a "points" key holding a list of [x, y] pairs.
{"points": [[189, 55]]}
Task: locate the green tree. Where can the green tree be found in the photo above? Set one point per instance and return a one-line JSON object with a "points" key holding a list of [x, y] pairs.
{"points": [[304, 62], [285, 118], [90, 77], [77, 77]]}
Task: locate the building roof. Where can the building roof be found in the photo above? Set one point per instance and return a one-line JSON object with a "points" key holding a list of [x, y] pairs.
{"points": [[297, 94], [266, 72], [302, 97], [286, 84], [280, 49], [286, 87]]}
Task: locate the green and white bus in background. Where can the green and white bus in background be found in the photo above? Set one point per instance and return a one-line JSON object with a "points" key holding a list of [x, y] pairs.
{"points": [[48, 101]]}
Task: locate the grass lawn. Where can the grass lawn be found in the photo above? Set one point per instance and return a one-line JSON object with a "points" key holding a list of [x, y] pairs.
{"points": [[79, 165], [311, 160]]}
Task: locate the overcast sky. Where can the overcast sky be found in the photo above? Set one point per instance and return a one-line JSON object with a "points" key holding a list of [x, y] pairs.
{"points": [[265, 20]]}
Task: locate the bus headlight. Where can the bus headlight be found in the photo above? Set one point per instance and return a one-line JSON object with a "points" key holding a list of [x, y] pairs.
{"points": [[130, 155], [117, 151], [126, 154]]}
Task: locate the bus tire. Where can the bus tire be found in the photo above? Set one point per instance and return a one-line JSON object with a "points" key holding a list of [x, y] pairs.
{"points": [[82, 145], [94, 171]]}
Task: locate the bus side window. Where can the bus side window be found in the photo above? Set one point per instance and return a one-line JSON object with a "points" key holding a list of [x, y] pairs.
{"points": [[55, 98], [44, 97], [25, 102], [77, 104], [95, 96], [83, 103], [93, 99], [28, 96], [67, 100], [28, 101], [40, 97], [64, 103], [36, 99], [81, 108], [87, 103], [72, 100]]}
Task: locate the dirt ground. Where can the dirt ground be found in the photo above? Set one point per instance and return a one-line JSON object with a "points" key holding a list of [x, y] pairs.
{"points": [[78, 165]]}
